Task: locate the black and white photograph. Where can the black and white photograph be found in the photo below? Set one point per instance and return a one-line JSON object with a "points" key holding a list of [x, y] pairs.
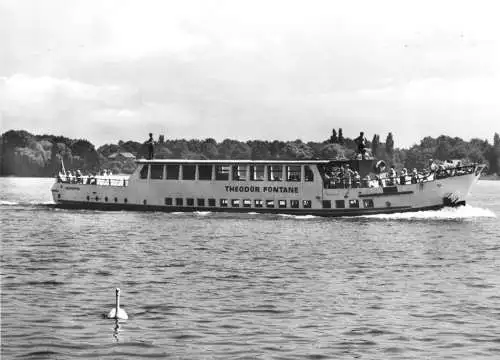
{"points": [[249, 179]]}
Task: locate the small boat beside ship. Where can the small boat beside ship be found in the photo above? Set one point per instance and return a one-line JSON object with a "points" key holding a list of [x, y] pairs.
{"points": [[306, 187]]}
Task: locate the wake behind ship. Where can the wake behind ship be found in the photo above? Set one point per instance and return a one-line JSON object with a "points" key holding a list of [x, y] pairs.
{"points": [[314, 187]]}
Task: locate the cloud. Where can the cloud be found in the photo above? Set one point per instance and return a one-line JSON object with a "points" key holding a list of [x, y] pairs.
{"points": [[46, 104], [249, 69], [45, 96]]}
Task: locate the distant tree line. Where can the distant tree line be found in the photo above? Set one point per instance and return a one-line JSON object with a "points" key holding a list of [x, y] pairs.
{"points": [[25, 154]]}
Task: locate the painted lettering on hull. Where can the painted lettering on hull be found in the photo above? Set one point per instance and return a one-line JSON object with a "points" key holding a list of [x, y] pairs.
{"points": [[264, 189]]}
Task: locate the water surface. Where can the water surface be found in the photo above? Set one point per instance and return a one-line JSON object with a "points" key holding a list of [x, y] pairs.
{"points": [[212, 285]]}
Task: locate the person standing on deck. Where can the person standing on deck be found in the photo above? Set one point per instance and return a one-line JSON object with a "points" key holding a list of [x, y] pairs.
{"points": [[151, 147], [348, 173], [392, 176], [361, 142]]}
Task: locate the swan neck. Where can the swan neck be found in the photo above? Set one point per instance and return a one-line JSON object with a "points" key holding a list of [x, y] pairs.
{"points": [[117, 301]]}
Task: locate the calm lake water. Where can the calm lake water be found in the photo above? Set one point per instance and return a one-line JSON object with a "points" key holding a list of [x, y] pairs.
{"points": [[206, 285]]}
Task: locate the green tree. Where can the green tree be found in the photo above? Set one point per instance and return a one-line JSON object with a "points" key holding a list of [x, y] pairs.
{"points": [[332, 152], [375, 144], [341, 137], [259, 150], [209, 149], [297, 150], [443, 148], [334, 139], [495, 158], [389, 146]]}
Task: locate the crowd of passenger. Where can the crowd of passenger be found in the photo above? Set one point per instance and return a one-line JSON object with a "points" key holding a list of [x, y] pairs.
{"points": [[335, 177], [103, 177]]}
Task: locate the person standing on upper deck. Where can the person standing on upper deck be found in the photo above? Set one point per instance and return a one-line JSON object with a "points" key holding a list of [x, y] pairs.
{"points": [[361, 141], [151, 147]]}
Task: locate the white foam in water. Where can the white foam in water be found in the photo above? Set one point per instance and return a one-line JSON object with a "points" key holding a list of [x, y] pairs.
{"points": [[298, 217], [11, 203], [305, 217], [462, 212], [202, 213], [6, 202], [42, 203]]}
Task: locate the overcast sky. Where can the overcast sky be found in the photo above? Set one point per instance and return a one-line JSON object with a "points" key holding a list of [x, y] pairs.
{"points": [[111, 70]]}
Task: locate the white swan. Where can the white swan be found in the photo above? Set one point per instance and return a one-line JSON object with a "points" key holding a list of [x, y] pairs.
{"points": [[117, 312]]}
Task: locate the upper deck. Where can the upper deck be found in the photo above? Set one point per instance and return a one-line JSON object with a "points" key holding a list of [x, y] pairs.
{"points": [[267, 168], [232, 162]]}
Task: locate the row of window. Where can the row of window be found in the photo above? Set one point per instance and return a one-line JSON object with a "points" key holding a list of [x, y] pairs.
{"points": [[235, 203], [257, 203], [353, 204], [291, 173], [106, 199]]}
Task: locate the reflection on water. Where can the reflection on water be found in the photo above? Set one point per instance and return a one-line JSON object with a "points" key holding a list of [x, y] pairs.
{"points": [[116, 329], [209, 285]]}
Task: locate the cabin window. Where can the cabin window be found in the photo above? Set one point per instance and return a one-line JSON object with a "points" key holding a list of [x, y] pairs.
{"points": [[144, 172], [354, 203], [308, 173], [172, 172], [106, 198], [190, 202], [179, 201], [125, 200], [294, 204], [306, 204], [269, 203], [239, 172], [156, 172], [247, 203], [116, 199], [222, 172], [235, 203], [200, 202], [327, 204], [282, 204], [258, 203], [293, 173], [340, 204], [275, 173], [168, 201], [368, 203], [257, 172], [205, 172], [211, 202], [223, 202], [188, 172]]}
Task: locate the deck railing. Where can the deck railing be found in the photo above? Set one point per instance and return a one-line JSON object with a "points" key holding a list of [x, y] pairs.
{"points": [[93, 180], [384, 181]]}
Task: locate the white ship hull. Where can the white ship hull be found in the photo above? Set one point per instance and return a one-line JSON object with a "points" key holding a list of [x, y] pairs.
{"points": [[287, 197]]}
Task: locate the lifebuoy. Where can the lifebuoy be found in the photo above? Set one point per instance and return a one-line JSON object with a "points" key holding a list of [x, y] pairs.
{"points": [[379, 166]]}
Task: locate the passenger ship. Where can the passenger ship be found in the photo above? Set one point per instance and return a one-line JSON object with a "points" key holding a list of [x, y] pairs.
{"points": [[288, 187]]}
